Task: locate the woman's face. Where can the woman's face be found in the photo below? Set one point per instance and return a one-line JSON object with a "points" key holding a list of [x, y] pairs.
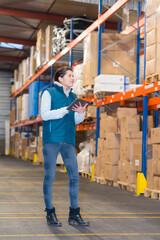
{"points": [[68, 79]]}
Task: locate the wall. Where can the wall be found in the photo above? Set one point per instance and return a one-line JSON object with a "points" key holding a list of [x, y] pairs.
{"points": [[4, 106]]}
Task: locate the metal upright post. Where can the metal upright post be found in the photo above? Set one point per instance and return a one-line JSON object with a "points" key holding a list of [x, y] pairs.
{"points": [[71, 39], [15, 108], [98, 71], [52, 74], [27, 135], [156, 118], [119, 27], [141, 177], [144, 139], [138, 43], [37, 125]]}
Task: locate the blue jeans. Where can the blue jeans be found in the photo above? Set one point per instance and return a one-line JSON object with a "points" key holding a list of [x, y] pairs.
{"points": [[50, 153]]}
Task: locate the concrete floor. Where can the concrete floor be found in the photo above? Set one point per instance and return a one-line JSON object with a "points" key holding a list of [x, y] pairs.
{"points": [[114, 214]]}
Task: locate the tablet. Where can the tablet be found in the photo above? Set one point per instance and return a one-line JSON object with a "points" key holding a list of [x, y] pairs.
{"points": [[77, 101]]}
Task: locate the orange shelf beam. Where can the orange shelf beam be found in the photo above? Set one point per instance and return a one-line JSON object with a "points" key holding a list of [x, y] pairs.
{"points": [[86, 126], [121, 96], [90, 29], [79, 127]]}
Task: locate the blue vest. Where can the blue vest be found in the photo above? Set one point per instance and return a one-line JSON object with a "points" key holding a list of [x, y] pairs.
{"points": [[63, 129]]}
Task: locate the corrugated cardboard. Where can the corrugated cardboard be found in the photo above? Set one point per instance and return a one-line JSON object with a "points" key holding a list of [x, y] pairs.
{"points": [[108, 124], [155, 135], [112, 156], [129, 124], [111, 172], [112, 141]]}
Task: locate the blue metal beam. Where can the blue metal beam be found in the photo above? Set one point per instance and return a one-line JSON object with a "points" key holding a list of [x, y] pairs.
{"points": [[138, 43], [98, 71], [156, 118], [144, 138], [52, 74], [71, 39]]}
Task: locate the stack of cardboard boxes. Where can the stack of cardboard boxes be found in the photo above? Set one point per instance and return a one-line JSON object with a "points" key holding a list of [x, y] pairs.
{"points": [[106, 165], [153, 37], [40, 146], [22, 147], [17, 140], [40, 48], [130, 16], [154, 173], [123, 53], [12, 116]]}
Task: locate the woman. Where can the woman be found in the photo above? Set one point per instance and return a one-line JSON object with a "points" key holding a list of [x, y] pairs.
{"points": [[59, 136]]}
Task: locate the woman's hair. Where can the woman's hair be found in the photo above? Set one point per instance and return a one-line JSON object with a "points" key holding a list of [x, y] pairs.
{"points": [[61, 72]]}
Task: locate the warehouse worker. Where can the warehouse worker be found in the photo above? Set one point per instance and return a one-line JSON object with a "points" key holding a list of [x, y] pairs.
{"points": [[59, 136]]}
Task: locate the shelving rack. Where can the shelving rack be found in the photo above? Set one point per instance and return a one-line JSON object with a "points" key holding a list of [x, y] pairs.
{"points": [[132, 95]]}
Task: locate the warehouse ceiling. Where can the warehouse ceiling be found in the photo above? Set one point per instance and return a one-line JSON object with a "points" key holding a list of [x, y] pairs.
{"points": [[21, 19]]}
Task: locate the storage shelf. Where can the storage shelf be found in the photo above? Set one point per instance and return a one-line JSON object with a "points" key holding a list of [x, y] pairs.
{"points": [[90, 29], [79, 127], [132, 94]]}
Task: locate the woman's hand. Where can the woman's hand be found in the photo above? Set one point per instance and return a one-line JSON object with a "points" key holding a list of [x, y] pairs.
{"points": [[79, 108]]}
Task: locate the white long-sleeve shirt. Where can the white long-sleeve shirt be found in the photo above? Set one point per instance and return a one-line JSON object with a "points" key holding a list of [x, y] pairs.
{"points": [[48, 114]]}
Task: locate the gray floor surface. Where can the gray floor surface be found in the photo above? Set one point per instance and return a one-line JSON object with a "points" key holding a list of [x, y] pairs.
{"points": [[114, 214]]}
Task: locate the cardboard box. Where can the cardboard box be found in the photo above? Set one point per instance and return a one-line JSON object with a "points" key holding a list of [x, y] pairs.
{"points": [[32, 67], [100, 147], [108, 124], [129, 124], [126, 148], [91, 111], [155, 135], [150, 173], [151, 37], [137, 157], [120, 170], [151, 7], [112, 156], [111, 172], [120, 53], [92, 146], [129, 175], [99, 167], [112, 141], [40, 158], [156, 151], [156, 183], [151, 22], [40, 48], [48, 38], [151, 52], [151, 67], [130, 16]]}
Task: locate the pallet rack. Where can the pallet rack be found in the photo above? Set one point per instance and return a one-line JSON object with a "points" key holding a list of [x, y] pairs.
{"points": [[120, 97]]}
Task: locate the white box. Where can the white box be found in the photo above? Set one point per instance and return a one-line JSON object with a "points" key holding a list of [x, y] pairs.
{"points": [[111, 79], [111, 88]]}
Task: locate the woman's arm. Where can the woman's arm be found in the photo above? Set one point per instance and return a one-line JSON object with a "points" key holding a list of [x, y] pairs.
{"points": [[46, 112]]}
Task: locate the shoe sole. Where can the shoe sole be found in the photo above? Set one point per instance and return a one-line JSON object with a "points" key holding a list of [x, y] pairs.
{"points": [[53, 224], [74, 223]]}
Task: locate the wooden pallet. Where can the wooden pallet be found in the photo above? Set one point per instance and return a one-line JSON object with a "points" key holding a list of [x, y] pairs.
{"points": [[154, 194], [88, 89], [127, 186], [86, 175], [156, 77], [111, 183], [148, 79], [103, 94], [100, 180], [152, 78]]}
